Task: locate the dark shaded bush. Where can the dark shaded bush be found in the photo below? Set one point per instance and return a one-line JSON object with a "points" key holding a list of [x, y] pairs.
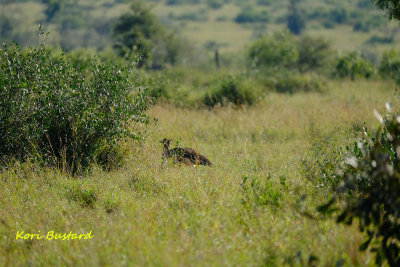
{"points": [[353, 65], [230, 91], [360, 26], [370, 190], [376, 39], [190, 16], [265, 2], [181, 2], [390, 6], [252, 15], [313, 53], [338, 15], [215, 4], [139, 32], [390, 65], [295, 20], [287, 82], [52, 111]]}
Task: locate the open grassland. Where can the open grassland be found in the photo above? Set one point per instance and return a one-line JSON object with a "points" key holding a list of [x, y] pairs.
{"points": [[152, 213]]}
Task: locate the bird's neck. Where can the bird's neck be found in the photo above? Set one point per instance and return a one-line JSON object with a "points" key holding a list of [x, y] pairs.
{"points": [[166, 149]]}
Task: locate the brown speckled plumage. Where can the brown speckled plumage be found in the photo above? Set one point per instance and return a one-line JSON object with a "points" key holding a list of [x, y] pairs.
{"points": [[184, 155]]}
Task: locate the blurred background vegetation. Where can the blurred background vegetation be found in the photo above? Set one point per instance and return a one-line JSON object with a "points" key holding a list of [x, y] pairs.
{"points": [[175, 27]]}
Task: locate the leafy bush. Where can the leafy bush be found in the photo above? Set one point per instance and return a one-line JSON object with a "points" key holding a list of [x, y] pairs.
{"points": [[215, 4], [279, 50], [230, 91], [338, 15], [313, 53], [287, 82], [361, 26], [191, 16], [353, 65], [181, 2], [140, 32], [52, 111], [160, 85], [370, 190], [390, 65], [376, 39]]}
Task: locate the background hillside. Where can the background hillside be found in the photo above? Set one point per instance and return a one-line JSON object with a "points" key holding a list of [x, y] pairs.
{"points": [[229, 25]]}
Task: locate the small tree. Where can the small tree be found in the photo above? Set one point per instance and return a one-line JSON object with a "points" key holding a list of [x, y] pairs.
{"points": [[295, 21], [140, 32], [135, 31]]}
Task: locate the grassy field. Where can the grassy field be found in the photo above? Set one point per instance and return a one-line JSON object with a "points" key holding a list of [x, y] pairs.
{"points": [[252, 208], [255, 206]]}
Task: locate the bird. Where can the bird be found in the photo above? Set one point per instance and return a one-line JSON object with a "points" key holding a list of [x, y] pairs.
{"points": [[184, 155]]}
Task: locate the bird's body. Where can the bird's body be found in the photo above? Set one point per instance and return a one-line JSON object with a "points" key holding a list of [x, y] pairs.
{"points": [[184, 155]]}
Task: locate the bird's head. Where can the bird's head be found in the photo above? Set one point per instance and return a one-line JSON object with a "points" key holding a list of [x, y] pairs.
{"points": [[165, 142]]}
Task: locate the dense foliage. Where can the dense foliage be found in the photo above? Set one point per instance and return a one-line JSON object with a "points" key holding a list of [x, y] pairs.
{"points": [[295, 21], [279, 50], [370, 189], [389, 66], [231, 90], [140, 32], [353, 65], [56, 112], [391, 6]]}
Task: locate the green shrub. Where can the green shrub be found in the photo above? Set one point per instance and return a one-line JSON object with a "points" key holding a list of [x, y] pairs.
{"points": [[52, 111], [86, 197], [370, 190], [279, 50], [231, 90], [215, 4], [313, 53], [353, 65], [338, 15], [376, 39], [287, 82], [252, 15], [390, 65]]}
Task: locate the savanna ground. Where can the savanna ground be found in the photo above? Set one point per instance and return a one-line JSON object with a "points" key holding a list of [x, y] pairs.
{"points": [[253, 207]]}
